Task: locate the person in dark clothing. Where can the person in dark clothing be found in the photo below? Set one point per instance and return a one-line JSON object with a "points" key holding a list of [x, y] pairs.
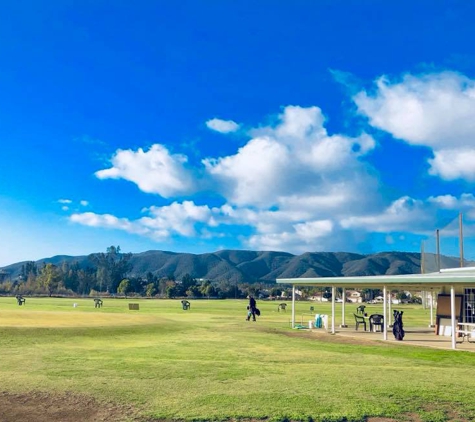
{"points": [[252, 307]]}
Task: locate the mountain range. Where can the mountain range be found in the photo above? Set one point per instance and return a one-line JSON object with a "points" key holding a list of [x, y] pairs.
{"points": [[241, 266]]}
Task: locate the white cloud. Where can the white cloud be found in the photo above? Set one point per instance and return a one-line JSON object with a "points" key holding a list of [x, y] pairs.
{"points": [[107, 221], [65, 201], [452, 164], [154, 171], [404, 214], [159, 223], [84, 203], [296, 157], [435, 110], [222, 126]]}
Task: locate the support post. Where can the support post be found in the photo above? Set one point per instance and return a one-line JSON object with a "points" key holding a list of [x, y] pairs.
{"points": [[461, 238], [431, 309], [390, 317], [343, 325], [333, 309], [437, 244], [293, 306], [452, 315], [385, 313]]}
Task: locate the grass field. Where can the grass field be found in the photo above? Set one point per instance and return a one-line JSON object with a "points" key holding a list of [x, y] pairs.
{"points": [[208, 363]]}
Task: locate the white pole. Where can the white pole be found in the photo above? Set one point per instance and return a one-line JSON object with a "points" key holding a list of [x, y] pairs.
{"points": [[452, 314], [293, 306], [390, 324], [343, 325], [333, 309], [385, 313], [431, 309]]}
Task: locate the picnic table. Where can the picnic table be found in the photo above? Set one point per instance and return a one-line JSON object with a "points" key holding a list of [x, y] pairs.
{"points": [[466, 330]]}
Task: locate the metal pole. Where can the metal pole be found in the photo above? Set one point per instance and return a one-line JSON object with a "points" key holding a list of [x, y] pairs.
{"points": [[343, 325], [437, 237], [390, 324], [422, 258], [385, 313], [431, 309], [293, 306], [333, 309], [461, 238], [452, 314]]}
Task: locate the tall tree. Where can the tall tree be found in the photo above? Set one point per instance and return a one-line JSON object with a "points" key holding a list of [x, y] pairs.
{"points": [[112, 267], [49, 278]]}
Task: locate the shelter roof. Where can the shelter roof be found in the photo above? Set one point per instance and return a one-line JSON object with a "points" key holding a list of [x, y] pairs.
{"points": [[452, 276]]}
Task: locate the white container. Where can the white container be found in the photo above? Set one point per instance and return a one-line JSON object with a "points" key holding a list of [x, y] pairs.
{"points": [[310, 324]]}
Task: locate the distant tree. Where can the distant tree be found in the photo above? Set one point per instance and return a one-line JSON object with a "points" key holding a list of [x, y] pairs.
{"points": [[124, 287], [187, 282], [150, 290], [171, 291], [27, 269], [112, 267], [49, 278]]}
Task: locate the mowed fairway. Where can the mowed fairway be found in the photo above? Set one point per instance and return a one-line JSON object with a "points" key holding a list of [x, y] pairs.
{"points": [[208, 363]]}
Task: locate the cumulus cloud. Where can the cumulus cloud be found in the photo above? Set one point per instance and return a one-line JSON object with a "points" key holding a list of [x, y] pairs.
{"points": [[452, 164], [159, 222], [106, 221], [435, 110], [65, 201], [222, 126], [153, 171], [297, 156]]}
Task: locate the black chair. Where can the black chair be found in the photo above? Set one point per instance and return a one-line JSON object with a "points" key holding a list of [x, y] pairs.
{"points": [[360, 321], [375, 321], [360, 309]]}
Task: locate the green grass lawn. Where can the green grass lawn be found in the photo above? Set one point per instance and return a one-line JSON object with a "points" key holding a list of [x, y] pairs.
{"points": [[208, 363]]}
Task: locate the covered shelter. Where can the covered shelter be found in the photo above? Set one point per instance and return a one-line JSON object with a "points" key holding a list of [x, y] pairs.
{"points": [[456, 287]]}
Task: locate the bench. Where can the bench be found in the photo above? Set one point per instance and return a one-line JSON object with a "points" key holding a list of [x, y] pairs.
{"points": [[133, 306], [466, 330]]}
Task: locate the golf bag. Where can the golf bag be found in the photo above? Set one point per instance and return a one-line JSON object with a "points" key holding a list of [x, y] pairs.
{"points": [[398, 330]]}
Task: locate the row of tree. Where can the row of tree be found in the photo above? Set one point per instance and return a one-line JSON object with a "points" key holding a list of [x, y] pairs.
{"points": [[109, 275]]}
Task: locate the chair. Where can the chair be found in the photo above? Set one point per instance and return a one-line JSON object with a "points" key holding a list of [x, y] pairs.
{"points": [[375, 321], [281, 306], [360, 320], [360, 309]]}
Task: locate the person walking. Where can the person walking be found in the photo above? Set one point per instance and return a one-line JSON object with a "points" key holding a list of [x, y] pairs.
{"points": [[252, 307]]}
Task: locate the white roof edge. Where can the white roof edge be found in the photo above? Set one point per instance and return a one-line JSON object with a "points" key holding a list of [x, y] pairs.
{"points": [[457, 270]]}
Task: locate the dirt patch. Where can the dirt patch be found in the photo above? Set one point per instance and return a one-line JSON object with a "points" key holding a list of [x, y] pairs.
{"points": [[49, 407]]}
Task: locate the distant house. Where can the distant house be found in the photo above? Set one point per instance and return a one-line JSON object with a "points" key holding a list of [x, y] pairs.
{"points": [[354, 296]]}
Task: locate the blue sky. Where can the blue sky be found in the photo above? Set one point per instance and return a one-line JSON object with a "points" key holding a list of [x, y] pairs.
{"points": [[194, 126]]}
